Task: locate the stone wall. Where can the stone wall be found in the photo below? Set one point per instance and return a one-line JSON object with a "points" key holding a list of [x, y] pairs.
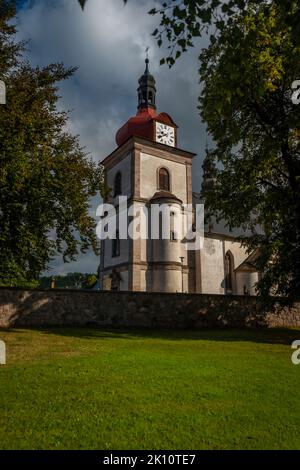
{"points": [[39, 308]]}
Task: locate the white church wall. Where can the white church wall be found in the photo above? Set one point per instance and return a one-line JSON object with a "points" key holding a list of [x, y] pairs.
{"points": [[138, 231], [198, 272], [110, 260], [143, 280], [167, 280], [148, 176], [166, 250], [183, 253], [146, 250], [238, 252], [246, 280], [212, 266], [242, 280], [185, 282], [149, 280], [124, 280], [143, 250]]}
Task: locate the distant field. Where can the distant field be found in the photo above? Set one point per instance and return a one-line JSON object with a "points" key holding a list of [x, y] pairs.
{"points": [[98, 389]]}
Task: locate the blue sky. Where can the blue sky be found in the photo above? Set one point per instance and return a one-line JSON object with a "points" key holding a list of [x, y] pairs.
{"points": [[107, 42]]}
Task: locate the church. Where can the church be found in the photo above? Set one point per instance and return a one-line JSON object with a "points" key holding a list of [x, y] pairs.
{"points": [[148, 168]]}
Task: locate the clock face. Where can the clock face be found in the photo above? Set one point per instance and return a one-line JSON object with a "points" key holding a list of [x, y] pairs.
{"points": [[165, 134]]}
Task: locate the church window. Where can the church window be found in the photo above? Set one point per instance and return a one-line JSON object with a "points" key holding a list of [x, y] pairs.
{"points": [[116, 245], [118, 184], [229, 262], [164, 180]]}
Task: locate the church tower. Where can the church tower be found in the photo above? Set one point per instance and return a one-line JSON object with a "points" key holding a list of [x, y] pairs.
{"points": [[149, 169]]}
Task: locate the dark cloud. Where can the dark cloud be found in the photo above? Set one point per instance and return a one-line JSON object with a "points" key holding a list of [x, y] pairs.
{"points": [[107, 43]]}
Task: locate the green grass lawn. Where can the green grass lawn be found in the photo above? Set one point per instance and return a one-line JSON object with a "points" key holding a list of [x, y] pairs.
{"points": [[134, 389]]}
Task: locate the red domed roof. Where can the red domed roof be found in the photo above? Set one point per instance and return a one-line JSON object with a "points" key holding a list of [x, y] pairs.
{"points": [[166, 118], [139, 125], [142, 125]]}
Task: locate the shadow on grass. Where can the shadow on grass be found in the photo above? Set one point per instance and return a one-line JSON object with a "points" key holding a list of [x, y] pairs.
{"points": [[270, 336]]}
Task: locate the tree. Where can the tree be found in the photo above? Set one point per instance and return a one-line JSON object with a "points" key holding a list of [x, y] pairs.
{"points": [[69, 281], [46, 178], [247, 103], [90, 281], [184, 20]]}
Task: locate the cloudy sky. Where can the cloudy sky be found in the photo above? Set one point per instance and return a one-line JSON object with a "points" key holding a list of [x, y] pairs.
{"points": [[107, 42]]}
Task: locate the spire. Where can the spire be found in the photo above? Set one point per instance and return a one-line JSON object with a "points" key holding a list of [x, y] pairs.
{"points": [[147, 62], [146, 89]]}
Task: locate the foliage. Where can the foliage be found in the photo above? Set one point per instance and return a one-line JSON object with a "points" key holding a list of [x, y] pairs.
{"points": [[46, 178], [69, 281], [90, 281], [248, 73], [14, 276], [182, 21]]}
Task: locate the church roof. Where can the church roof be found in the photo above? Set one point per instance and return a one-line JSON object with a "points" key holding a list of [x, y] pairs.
{"points": [[249, 263], [142, 124], [165, 195]]}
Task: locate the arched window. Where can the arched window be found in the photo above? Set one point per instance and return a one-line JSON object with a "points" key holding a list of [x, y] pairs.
{"points": [[164, 180], [118, 184], [229, 266]]}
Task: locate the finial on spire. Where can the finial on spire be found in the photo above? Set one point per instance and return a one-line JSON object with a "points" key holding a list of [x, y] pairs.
{"points": [[147, 60], [146, 89]]}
